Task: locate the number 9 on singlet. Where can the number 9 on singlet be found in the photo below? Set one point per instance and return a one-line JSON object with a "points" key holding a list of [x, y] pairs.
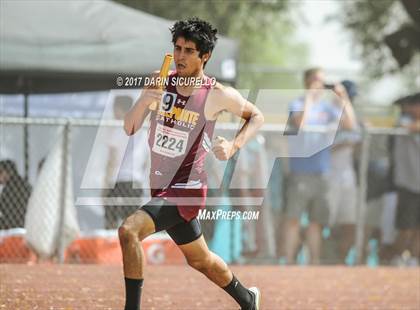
{"points": [[167, 102], [169, 142]]}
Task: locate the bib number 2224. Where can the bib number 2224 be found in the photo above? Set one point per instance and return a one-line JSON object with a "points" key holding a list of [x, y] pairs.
{"points": [[169, 141]]}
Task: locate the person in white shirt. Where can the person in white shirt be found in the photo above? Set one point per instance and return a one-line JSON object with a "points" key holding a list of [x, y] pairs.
{"points": [[129, 176]]}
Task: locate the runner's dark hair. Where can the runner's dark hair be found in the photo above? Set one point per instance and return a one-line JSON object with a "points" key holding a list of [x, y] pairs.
{"points": [[202, 33]]}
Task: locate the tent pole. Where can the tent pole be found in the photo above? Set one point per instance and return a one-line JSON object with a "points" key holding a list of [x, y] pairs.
{"points": [[63, 198], [362, 196]]}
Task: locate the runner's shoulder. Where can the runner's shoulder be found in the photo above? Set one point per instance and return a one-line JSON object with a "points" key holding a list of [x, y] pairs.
{"points": [[219, 86], [224, 92]]}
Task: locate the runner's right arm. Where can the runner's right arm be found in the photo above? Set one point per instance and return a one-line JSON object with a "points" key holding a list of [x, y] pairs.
{"points": [[134, 118]]}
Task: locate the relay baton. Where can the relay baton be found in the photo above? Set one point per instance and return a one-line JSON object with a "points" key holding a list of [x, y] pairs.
{"points": [[163, 73]]}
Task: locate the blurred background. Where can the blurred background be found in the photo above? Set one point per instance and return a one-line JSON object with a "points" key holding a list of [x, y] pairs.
{"points": [[63, 163]]}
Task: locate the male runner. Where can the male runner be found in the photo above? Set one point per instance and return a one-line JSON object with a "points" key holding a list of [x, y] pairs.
{"points": [[180, 136]]}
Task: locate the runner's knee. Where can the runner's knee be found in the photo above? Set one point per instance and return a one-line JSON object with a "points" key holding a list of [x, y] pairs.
{"points": [[202, 264], [128, 234]]}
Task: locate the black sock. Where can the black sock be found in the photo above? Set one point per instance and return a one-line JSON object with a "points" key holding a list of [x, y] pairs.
{"points": [[241, 294], [133, 293]]}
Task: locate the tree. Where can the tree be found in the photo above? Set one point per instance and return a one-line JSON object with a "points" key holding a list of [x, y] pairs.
{"points": [[262, 28], [386, 34]]}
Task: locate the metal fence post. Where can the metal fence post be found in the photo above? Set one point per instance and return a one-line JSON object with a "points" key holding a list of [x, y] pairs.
{"points": [[226, 180], [64, 172], [362, 194], [26, 137]]}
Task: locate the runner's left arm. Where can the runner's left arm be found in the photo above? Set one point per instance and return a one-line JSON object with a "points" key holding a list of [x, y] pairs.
{"points": [[230, 100]]}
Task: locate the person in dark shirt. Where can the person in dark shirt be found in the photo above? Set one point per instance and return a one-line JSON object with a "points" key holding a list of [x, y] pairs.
{"points": [[14, 196]]}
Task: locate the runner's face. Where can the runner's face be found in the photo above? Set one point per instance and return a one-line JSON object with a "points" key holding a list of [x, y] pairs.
{"points": [[187, 59]]}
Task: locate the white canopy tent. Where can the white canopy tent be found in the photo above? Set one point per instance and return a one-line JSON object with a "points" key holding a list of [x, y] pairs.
{"points": [[62, 46], [72, 46]]}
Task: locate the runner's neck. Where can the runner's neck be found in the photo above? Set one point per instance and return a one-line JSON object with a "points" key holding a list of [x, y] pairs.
{"points": [[188, 91]]}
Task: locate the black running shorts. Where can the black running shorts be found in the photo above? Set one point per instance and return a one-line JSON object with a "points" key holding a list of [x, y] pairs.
{"points": [[166, 217]]}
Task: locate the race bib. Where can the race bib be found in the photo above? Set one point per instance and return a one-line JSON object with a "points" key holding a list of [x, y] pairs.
{"points": [[170, 142]]}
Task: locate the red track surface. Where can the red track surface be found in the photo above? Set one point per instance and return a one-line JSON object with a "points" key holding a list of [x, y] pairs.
{"points": [[88, 287]]}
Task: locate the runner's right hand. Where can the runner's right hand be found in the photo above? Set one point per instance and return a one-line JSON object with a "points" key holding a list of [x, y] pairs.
{"points": [[150, 95]]}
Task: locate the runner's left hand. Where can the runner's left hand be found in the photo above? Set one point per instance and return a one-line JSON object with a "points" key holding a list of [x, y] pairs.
{"points": [[223, 149]]}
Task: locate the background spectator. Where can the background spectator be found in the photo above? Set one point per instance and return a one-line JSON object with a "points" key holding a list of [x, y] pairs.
{"points": [[14, 196], [129, 178], [407, 180], [343, 185], [307, 186]]}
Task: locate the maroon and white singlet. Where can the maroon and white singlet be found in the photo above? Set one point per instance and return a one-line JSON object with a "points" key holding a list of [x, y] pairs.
{"points": [[179, 139]]}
